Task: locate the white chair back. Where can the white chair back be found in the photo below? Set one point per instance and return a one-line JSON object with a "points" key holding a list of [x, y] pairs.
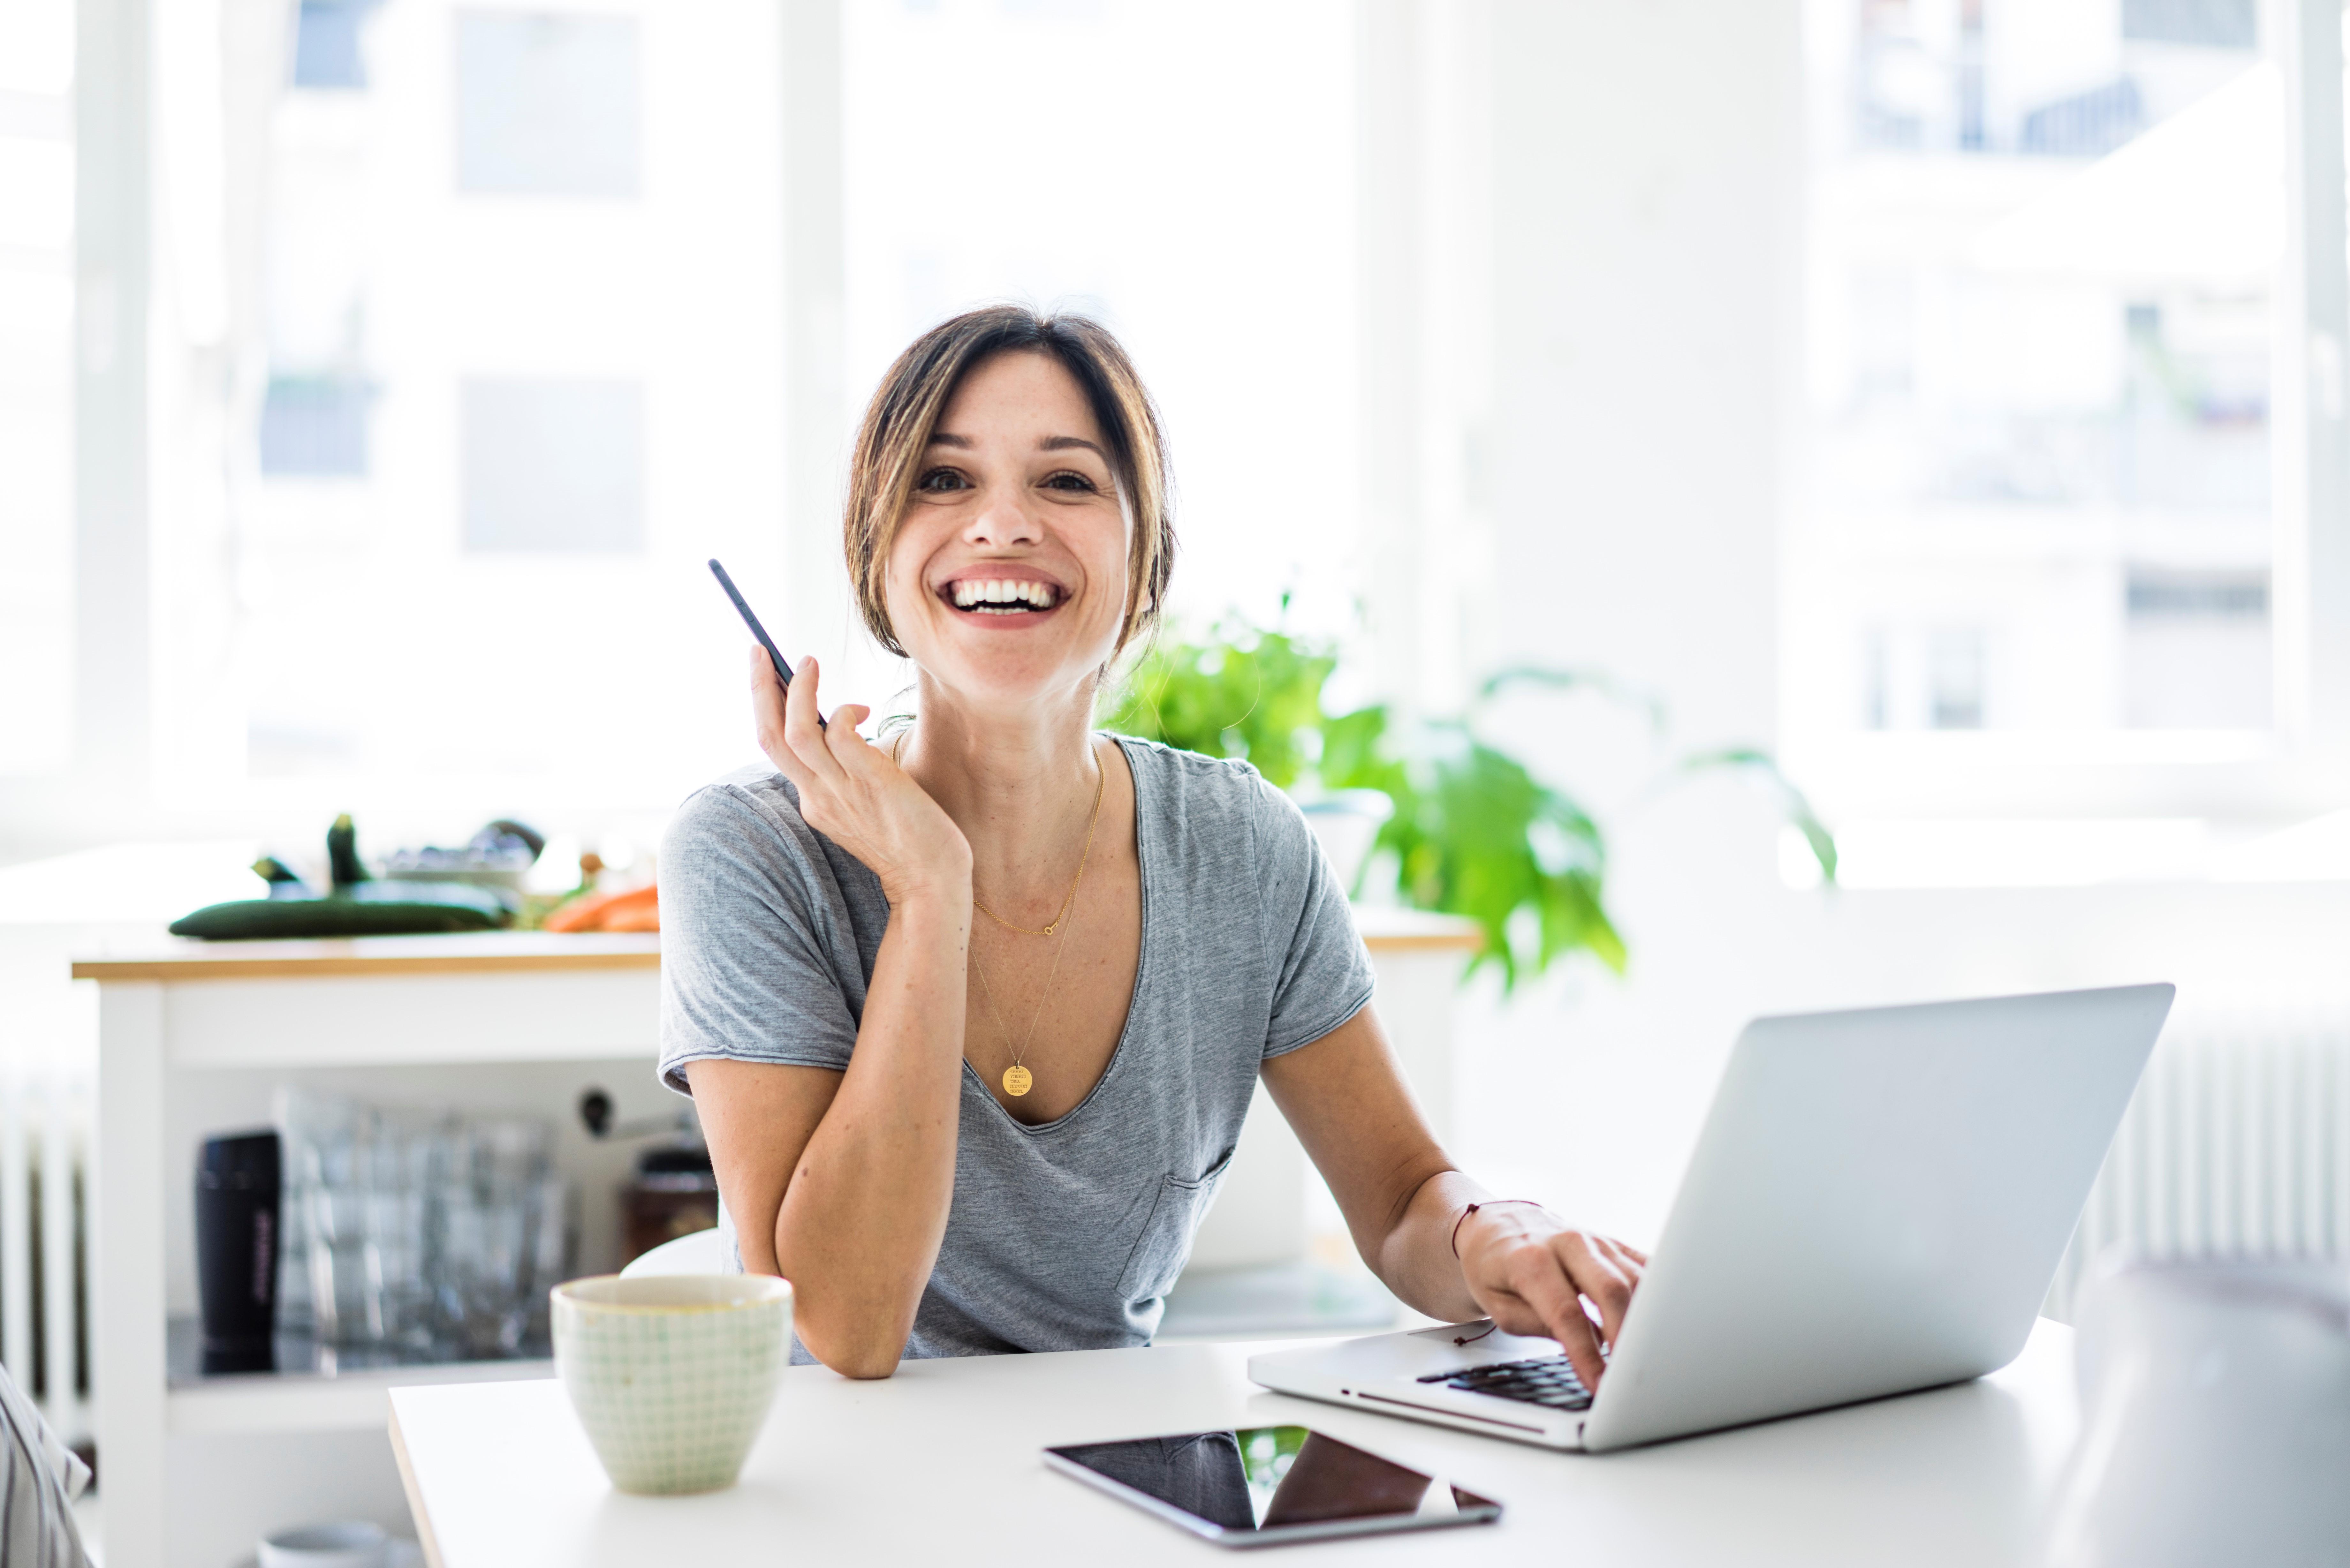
{"points": [[698, 1253]]}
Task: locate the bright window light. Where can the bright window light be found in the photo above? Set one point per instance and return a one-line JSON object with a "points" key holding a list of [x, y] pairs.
{"points": [[553, 465], [547, 104], [2036, 496], [37, 317]]}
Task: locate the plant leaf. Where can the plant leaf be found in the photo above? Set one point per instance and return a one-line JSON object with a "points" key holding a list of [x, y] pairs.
{"points": [[1792, 804], [1595, 680]]}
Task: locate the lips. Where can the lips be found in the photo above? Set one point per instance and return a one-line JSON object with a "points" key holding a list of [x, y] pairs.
{"points": [[982, 593]]}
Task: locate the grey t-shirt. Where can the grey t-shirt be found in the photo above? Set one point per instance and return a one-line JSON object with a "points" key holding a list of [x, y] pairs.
{"points": [[1064, 1236]]}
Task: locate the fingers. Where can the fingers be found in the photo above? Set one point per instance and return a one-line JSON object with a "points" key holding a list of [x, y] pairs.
{"points": [[1537, 1280], [802, 732], [1602, 1271], [767, 718], [841, 733]]}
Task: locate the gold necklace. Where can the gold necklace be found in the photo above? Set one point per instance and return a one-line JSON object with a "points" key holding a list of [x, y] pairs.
{"points": [[1017, 1079], [1101, 777]]}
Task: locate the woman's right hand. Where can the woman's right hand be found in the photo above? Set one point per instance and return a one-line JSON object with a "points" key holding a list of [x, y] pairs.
{"points": [[853, 793]]}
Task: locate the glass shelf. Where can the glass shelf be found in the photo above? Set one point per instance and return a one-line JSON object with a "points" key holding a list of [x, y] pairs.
{"points": [[299, 1356]]}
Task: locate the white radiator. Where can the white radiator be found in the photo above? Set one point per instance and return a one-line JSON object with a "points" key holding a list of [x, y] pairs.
{"points": [[2237, 1145], [47, 1054]]}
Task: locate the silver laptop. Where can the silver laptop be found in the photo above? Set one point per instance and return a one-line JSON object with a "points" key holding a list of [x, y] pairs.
{"points": [[1876, 1204]]}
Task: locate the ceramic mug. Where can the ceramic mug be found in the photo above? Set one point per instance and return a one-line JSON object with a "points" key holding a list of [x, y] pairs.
{"points": [[672, 1373], [358, 1543]]}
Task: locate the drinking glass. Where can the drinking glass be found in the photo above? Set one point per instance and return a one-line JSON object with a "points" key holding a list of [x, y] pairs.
{"points": [[550, 1252], [485, 1267], [419, 1233], [508, 1156], [314, 1126], [346, 1268]]}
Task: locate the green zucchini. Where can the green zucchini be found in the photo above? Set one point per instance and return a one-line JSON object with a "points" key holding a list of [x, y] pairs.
{"points": [[356, 906], [367, 910]]}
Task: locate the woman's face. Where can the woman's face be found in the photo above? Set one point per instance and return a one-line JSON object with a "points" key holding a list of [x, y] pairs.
{"points": [[1007, 579]]}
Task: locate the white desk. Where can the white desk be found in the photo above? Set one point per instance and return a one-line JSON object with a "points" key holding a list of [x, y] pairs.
{"points": [[940, 1465]]}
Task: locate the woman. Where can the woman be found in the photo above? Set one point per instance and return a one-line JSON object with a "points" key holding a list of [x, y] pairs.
{"points": [[972, 1016]]}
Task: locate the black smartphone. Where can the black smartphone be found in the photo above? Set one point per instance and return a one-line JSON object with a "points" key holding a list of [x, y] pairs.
{"points": [[783, 669]]}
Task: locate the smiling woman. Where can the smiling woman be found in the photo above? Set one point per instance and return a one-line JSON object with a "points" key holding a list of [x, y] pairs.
{"points": [[1100, 450], [1147, 931]]}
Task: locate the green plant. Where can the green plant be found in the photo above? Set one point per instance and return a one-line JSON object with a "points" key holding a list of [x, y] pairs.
{"points": [[1240, 693], [1473, 832]]}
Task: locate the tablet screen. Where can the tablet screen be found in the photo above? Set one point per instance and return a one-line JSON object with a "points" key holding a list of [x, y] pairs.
{"points": [[1263, 1480]]}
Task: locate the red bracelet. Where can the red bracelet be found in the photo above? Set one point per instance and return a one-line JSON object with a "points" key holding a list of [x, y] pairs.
{"points": [[1473, 1208]]}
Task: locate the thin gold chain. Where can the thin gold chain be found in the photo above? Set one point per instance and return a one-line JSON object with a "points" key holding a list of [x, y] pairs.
{"points": [[1101, 777], [1019, 1052]]}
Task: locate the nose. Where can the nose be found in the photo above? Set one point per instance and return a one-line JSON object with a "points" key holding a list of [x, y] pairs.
{"points": [[1001, 521]]}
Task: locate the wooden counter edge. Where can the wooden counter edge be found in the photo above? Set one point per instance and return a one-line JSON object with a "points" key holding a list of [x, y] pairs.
{"points": [[1426, 942], [282, 968], [230, 965]]}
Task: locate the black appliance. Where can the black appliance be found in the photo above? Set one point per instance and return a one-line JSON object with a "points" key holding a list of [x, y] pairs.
{"points": [[237, 1232]]}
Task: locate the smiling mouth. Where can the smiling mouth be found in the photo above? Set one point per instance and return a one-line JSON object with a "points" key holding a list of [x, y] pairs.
{"points": [[1003, 597]]}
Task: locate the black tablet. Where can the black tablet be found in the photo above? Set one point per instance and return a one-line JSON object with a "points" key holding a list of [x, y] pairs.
{"points": [[1259, 1486]]}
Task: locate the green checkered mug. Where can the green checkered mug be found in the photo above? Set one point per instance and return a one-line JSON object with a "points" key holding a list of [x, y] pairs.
{"points": [[672, 1373]]}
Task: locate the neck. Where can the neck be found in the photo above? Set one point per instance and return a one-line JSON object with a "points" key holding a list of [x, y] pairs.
{"points": [[1020, 782]]}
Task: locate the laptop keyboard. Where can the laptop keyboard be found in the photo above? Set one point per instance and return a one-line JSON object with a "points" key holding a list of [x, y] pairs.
{"points": [[1546, 1380]]}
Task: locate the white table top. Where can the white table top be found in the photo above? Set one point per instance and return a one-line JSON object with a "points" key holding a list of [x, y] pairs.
{"points": [[941, 1464]]}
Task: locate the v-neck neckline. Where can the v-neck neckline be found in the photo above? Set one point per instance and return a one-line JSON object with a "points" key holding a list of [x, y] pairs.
{"points": [[1143, 948]]}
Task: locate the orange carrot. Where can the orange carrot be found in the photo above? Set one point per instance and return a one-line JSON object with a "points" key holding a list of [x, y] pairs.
{"points": [[638, 909]]}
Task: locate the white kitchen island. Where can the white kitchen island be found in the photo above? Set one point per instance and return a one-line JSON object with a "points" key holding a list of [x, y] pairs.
{"points": [[193, 1038]]}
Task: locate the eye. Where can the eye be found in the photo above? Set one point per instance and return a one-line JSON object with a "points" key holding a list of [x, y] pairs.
{"points": [[1069, 479], [941, 479]]}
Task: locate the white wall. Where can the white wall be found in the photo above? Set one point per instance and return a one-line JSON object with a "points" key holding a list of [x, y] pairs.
{"points": [[1646, 220], [1646, 199]]}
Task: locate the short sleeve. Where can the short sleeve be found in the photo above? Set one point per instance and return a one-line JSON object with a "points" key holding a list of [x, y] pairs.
{"points": [[751, 939], [1324, 976]]}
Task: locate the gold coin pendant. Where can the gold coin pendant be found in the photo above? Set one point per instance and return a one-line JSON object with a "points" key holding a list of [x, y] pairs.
{"points": [[1017, 1081]]}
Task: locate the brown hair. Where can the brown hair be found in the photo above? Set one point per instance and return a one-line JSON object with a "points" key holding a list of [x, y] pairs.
{"points": [[904, 413]]}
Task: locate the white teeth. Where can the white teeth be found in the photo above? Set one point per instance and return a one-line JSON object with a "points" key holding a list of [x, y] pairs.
{"points": [[985, 594]]}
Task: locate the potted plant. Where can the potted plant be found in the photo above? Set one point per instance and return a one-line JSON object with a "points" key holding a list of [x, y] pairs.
{"points": [[1467, 828]]}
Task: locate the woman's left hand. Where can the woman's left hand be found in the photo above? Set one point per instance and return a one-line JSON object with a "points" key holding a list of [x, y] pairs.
{"points": [[1531, 1273]]}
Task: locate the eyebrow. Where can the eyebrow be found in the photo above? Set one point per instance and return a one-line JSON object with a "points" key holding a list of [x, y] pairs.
{"points": [[1050, 443]]}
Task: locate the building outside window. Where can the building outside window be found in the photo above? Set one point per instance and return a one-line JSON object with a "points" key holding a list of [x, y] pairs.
{"points": [[513, 365], [2036, 518], [472, 345]]}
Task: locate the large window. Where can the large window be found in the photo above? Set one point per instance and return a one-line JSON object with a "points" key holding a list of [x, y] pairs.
{"points": [[36, 385], [2037, 527], [477, 328], [514, 367]]}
